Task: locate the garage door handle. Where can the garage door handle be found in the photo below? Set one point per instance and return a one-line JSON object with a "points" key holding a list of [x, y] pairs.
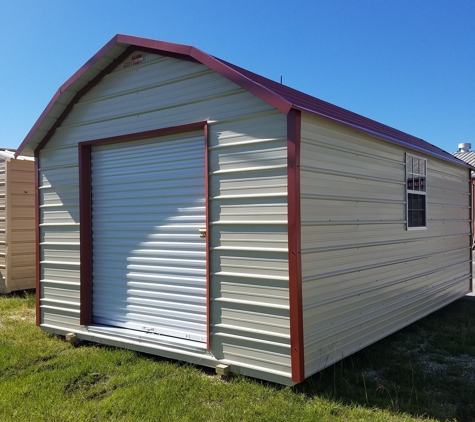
{"points": [[202, 233]]}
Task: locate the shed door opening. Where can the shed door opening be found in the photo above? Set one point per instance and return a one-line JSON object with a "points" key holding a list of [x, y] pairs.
{"points": [[149, 261]]}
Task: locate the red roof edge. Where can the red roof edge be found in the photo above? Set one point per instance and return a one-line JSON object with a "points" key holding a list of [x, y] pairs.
{"points": [[257, 89], [164, 46], [244, 82], [386, 137], [63, 87], [277, 95]]}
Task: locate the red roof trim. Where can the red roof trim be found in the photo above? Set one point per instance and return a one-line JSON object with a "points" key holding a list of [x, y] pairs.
{"points": [[279, 96], [154, 44], [93, 82], [63, 88], [253, 87], [176, 50], [389, 138], [305, 102], [213, 63]]}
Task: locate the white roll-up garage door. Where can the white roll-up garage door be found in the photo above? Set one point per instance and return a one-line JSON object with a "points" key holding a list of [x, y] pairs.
{"points": [[149, 261]]}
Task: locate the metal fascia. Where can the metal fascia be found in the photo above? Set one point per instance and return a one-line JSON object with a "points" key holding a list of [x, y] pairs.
{"points": [[160, 47], [253, 87], [63, 88], [385, 137], [91, 84]]}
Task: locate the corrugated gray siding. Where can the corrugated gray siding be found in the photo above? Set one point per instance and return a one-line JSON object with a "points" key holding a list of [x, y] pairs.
{"points": [[248, 202], [364, 275]]}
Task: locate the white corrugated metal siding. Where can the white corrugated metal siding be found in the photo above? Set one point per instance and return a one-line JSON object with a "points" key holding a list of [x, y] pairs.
{"points": [[248, 241], [149, 261], [248, 205], [365, 275]]}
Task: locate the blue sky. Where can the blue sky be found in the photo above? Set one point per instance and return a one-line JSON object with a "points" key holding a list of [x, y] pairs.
{"points": [[408, 63]]}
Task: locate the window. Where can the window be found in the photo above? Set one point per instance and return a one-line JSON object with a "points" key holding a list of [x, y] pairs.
{"points": [[416, 175]]}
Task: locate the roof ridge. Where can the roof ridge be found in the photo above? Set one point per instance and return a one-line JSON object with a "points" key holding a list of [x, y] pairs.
{"points": [[280, 96]]}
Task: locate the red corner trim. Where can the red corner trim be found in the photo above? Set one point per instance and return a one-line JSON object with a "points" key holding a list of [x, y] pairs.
{"points": [[85, 234], [294, 236], [208, 285], [37, 240]]}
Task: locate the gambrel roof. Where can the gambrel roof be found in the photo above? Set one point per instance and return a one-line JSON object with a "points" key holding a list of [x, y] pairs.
{"points": [[274, 93]]}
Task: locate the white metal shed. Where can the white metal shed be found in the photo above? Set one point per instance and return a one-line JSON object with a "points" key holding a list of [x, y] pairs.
{"points": [[195, 210], [17, 222]]}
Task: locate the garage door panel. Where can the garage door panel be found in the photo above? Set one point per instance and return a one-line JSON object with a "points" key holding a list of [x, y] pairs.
{"points": [[162, 295], [149, 262], [162, 179]]}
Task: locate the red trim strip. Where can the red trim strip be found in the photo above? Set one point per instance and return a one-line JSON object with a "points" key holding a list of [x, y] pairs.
{"points": [[294, 235], [184, 52], [190, 127], [258, 90], [85, 234], [103, 51], [208, 285], [180, 50], [158, 46], [37, 239], [85, 205], [279, 96], [168, 54]]}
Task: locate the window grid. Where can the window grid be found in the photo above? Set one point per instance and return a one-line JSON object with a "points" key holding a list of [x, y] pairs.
{"points": [[416, 177]]}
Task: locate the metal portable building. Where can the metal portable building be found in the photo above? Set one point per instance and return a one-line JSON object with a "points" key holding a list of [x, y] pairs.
{"points": [[195, 210], [468, 157], [17, 219]]}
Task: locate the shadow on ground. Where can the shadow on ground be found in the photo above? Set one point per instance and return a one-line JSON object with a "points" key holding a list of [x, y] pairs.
{"points": [[428, 369]]}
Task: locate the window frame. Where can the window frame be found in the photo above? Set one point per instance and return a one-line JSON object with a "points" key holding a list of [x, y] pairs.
{"points": [[415, 192]]}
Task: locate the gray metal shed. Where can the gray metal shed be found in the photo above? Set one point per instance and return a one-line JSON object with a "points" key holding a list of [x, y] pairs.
{"points": [[17, 222], [195, 210]]}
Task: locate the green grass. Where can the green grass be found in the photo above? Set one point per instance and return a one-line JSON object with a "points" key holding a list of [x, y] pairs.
{"points": [[424, 371]]}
